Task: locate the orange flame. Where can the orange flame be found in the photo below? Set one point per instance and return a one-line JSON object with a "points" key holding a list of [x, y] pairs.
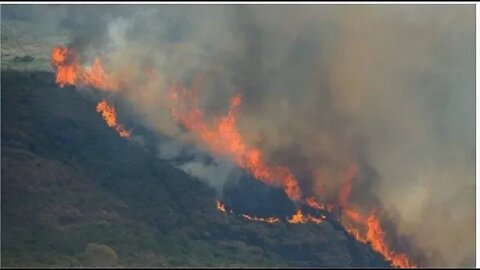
{"points": [[375, 236], [354, 215], [371, 231], [69, 71], [220, 206], [299, 217], [312, 202], [356, 234], [224, 139], [110, 116], [65, 64], [270, 220]]}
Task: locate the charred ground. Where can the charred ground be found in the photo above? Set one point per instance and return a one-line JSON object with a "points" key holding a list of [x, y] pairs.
{"points": [[69, 181]]}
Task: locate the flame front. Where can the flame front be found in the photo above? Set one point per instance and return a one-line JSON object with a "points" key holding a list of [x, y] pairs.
{"points": [[368, 230], [374, 235], [224, 139], [110, 116], [312, 202], [69, 71], [270, 220], [299, 217]]}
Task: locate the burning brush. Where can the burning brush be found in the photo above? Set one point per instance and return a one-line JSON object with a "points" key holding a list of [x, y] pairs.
{"points": [[223, 139]]}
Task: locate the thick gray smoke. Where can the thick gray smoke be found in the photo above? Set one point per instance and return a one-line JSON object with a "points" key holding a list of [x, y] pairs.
{"points": [[391, 87]]}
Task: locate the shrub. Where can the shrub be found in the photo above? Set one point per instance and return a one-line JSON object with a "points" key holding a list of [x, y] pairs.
{"points": [[97, 255], [26, 58]]}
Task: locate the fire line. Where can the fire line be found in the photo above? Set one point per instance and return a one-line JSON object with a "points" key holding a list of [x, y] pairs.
{"points": [[225, 139]]}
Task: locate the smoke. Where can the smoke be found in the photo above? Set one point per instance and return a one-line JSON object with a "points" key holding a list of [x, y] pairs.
{"points": [[407, 80], [214, 171], [387, 87]]}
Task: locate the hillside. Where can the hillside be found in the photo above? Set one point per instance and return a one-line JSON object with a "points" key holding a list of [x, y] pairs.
{"points": [[76, 194]]}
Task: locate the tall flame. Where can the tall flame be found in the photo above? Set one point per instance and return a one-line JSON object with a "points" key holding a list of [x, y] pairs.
{"points": [[65, 64], [224, 139], [296, 218], [373, 232], [374, 235], [110, 116], [69, 71]]}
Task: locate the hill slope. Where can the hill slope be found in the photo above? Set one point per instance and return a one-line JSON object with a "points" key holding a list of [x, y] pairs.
{"points": [[76, 194]]}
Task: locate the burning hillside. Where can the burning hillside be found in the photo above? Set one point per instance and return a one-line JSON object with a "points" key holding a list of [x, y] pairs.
{"points": [[298, 217], [69, 71], [223, 138], [92, 186], [110, 116], [344, 121]]}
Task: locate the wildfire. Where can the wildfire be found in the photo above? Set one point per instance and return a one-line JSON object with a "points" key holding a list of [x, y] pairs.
{"points": [[220, 206], [375, 236], [110, 116], [69, 71], [356, 234], [65, 64], [270, 220], [299, 217], [371, 231], [224, 139], [312, 202]]}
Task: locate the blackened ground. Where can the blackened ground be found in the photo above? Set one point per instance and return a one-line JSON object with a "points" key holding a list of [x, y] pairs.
{"points": [[247, 195]]}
